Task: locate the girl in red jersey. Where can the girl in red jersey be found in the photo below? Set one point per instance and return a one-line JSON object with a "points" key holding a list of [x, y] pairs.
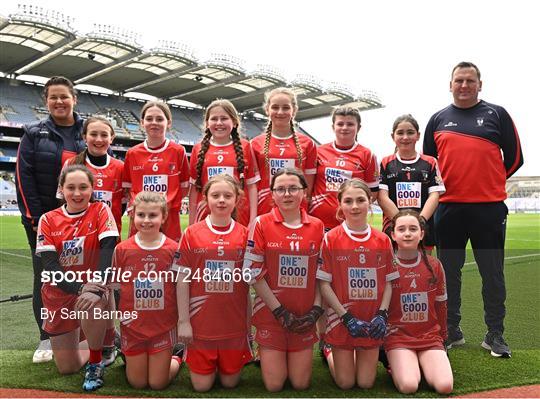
{"points": [[98, 134], [355, 276], [339, 161], [281, 256], [281, 146], [159, 165], [212, 290], [148, 298], [417, 324], [222, 151], [74, 241], [409, 180]]}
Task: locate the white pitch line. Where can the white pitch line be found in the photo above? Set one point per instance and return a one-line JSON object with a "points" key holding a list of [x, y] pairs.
{"points": [[508, 258], [12, 254]]}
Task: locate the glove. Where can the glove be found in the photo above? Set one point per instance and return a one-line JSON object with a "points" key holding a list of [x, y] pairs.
{"points": [[357, 328], [287, 319], [378, 325], [307, 321]]}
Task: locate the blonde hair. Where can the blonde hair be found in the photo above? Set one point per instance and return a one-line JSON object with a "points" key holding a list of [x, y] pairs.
{"points": [[294, 101], [231, 181], [150, 197], [229, 108], [347, 184]]}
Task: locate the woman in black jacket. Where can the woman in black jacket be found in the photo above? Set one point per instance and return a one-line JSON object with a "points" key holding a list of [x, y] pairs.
{"points": [[44, 147]]}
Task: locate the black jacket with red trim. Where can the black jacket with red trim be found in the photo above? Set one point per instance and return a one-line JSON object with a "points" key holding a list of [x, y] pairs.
{"points": [[39, 162]]}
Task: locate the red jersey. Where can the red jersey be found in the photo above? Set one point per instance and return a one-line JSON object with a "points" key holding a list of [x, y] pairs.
{"points": [[281, 154], [218, 292], [107, 185], [76, 237], [286, 256], [335, 166], [150, 291], [413, 322], [222, 159], [478, 148], [164, 170], [358, 267]]}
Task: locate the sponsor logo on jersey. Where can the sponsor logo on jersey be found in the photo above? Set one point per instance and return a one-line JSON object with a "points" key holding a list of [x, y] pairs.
{"points": [[271, 244], [155, 183], [220, 170], [451, 124], [334, 177], [148, 294], [295, 237], [414, 307], [279, 163], [409, 194], [214, 275], [103, 196], [72, 252], [293, 271], [479, 121], [362, 283]]}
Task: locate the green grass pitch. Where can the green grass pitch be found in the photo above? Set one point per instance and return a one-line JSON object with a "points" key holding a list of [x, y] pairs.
{"points": [[474, 369]]}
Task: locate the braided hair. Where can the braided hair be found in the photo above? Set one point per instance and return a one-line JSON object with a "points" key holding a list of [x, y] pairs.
{"points": [[205, 144], [240, 161], [267, 98], [422, 224], [229, 108]]}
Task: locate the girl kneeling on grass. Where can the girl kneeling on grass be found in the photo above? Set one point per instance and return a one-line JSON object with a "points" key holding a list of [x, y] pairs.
{"points": [[417, 324], [281, 255], [355, 276], [212, 290], [77, 238], [149, 296]]}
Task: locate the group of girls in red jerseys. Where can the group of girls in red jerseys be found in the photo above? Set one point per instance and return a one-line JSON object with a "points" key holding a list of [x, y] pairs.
{"points": [[275, 214]]}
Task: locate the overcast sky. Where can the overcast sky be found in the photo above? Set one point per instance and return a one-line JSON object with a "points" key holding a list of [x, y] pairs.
{"points": [[403, 50]]}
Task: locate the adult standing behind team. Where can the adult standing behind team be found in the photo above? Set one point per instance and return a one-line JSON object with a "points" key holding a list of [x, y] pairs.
{"points": [[467, 137], [44, 147]]}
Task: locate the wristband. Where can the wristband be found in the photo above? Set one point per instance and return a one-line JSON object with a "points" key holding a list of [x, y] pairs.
{"points": [[383, 313], [346, 317]]}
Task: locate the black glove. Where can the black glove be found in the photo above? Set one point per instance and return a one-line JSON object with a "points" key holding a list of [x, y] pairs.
{"points": [[307, 321], [287, 319]]}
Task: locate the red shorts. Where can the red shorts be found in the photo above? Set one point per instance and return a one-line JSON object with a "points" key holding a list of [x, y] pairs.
{"points": [[171, 227], [285, 341], [133, 344], [394, 342], [63, 305], [227, 356]]}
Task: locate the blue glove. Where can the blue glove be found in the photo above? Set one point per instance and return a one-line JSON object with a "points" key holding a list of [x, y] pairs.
{"points": [[357, 328], [377, 330]]}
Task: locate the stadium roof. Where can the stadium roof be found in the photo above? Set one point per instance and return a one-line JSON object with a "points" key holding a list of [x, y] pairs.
{"points": [[41, 42]]}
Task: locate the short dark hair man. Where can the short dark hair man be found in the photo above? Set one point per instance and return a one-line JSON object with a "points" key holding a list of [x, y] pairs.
{"points": [[478, 148]]}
